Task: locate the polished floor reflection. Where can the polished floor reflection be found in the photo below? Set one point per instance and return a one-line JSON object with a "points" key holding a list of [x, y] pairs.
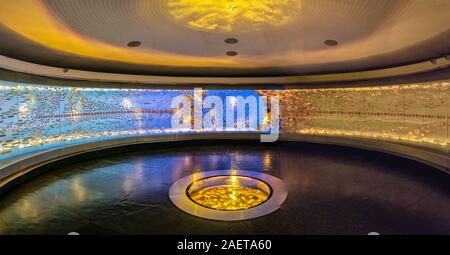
{"points": [[332, 190]]}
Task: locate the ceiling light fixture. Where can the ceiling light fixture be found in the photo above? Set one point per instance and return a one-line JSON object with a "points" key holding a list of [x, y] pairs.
{"points": [[231, 53], [231, 8], [133, 44], [231, 40], [330, 42]]}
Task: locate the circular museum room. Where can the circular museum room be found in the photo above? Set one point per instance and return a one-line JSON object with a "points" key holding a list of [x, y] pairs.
{"points": [[224, 117]]}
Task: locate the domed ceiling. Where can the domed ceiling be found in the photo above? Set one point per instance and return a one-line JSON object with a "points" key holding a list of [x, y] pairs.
{"points": [[224, 37]]}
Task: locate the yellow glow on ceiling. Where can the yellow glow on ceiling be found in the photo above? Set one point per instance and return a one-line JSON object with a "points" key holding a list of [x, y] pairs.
{"points": [[233, 15], [32, 20]]}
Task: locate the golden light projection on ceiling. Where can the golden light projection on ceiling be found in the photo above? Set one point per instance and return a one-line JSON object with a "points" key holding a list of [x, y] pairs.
{"points": [[233, 15], [34, 21], [169, 34]]}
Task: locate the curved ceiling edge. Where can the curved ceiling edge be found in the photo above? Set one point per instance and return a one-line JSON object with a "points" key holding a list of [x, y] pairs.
{"points": [[71, 74]]}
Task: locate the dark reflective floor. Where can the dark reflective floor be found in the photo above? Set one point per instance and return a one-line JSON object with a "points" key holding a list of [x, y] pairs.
{"points": [[332, 190]]}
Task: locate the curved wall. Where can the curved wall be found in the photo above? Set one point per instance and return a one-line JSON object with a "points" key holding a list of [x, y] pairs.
{"points": [[414, 114], [37, 117]]}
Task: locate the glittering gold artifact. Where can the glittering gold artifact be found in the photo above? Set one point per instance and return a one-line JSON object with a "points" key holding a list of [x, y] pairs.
{"points": [[229, 192]]}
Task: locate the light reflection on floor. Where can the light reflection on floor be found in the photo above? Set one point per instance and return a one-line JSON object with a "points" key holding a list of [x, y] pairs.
{"points": [[331, 190]]}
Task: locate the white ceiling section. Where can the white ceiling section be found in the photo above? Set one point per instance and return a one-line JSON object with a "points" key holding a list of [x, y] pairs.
{"points": [[186, 37]]}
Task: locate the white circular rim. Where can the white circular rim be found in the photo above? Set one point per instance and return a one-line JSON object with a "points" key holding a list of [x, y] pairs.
{"points": [[179, 197]]}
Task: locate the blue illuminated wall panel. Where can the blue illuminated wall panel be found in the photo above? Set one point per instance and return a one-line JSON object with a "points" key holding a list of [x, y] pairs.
{"points": [[35, 117]]}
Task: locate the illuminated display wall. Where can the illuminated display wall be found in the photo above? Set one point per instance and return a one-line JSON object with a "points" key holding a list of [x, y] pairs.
{"points": [[416, 114], [34, 117]]}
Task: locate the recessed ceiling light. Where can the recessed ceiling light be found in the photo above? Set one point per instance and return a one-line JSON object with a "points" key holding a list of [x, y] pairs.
{"points": [[231, 40], [231, 8], [134, 44], [331, 42], [231, 53]]}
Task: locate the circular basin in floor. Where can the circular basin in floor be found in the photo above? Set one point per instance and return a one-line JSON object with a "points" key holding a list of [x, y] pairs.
{"points": [[331, 190]]}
